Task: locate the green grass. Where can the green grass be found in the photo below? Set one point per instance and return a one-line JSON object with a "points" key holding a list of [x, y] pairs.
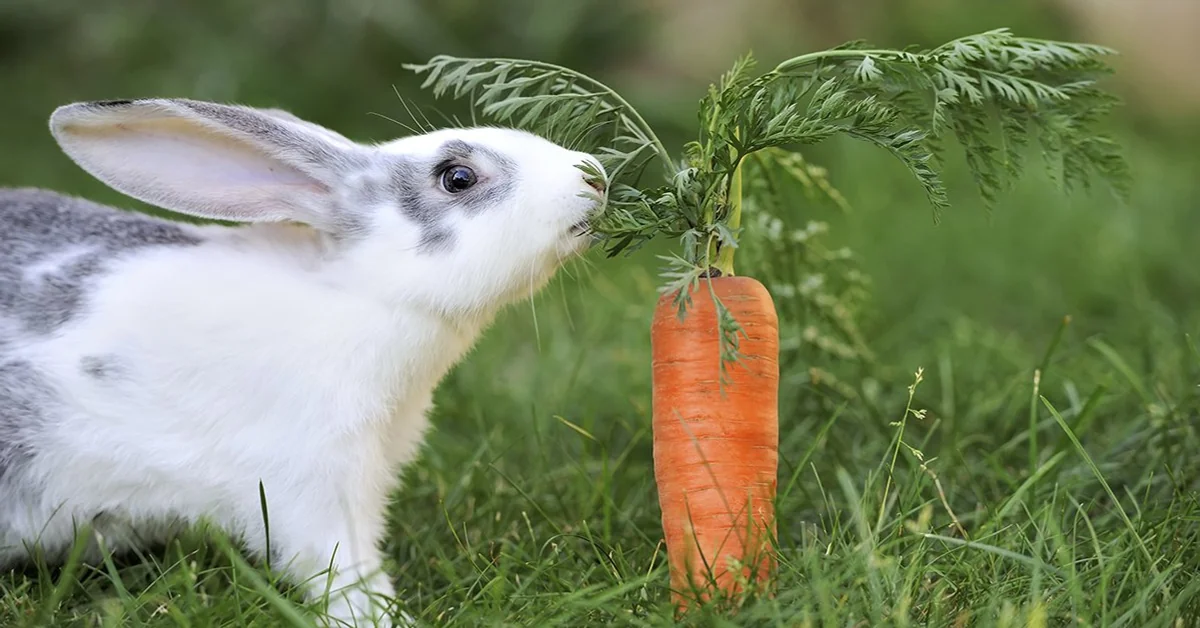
{"points": [[533, 503]]}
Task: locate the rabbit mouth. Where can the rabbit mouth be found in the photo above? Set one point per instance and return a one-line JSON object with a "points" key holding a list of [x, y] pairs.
{"points": [[583, 227]]}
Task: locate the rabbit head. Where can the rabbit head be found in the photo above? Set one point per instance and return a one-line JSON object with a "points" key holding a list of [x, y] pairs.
{"points": [[462, 220]]}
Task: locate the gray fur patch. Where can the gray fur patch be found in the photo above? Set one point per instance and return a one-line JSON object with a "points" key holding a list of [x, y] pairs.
{"points": [[437, 238], [52, 246], [416, 187], [101, 367], [410, 188], [24, 398]]}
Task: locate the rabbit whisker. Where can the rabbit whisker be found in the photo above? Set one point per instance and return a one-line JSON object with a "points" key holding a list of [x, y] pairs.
{"points": [[396, 122], [408, 109]]}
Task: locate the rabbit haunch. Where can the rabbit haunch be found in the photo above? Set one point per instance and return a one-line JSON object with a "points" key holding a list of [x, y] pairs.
{"points": [[153, 372]]}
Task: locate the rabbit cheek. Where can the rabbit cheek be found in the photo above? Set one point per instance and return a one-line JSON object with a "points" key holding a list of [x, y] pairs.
{"points": [[410, 194]]}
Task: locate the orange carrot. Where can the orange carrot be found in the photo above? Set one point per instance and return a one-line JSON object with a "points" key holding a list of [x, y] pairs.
{"points": [[716, 447]]}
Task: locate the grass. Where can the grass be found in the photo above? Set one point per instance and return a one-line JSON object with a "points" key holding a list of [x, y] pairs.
{"points": [[976, 495], [1040, 473]]}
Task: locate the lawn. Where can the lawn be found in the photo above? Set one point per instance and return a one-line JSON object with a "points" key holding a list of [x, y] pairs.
{"points": [[987, 463], [1011, 439]]}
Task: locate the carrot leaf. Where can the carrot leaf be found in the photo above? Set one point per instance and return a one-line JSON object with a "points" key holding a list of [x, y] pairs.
{"points": [[993, 93]]}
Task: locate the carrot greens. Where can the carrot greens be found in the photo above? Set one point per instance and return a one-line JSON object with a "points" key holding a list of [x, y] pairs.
{"points": [[992, 93]]}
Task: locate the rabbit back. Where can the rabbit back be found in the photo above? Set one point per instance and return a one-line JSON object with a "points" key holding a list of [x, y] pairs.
{"points": [[52, 244], [52, 247]]}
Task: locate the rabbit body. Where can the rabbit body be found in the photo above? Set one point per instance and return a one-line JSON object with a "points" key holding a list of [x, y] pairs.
{"points": [[154, 372]]}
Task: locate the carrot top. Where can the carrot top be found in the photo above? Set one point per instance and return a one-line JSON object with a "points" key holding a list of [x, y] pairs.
{"points": [[992, 92]]}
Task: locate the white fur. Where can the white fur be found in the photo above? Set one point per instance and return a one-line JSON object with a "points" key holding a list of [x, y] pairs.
{"points": [[272, 352]]}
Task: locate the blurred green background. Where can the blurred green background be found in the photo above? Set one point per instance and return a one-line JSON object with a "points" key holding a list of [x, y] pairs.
{"points": [[339, 64], [974, 300]]}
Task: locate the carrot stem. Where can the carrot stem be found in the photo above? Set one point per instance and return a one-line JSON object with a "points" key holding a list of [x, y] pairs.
{"points": [[725, 257]]}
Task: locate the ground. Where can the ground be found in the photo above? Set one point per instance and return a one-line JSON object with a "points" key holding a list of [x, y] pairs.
{"points": [[1045, 471]]}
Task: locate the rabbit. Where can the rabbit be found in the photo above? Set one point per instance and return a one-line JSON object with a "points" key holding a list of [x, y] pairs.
{"points": [[290, 328]]}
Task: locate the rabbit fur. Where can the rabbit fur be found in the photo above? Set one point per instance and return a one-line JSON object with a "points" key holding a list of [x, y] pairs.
{"points": [[153, 372]]}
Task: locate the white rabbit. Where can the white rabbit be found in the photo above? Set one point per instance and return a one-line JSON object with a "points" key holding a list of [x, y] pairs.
{"points": [[153, 372]]}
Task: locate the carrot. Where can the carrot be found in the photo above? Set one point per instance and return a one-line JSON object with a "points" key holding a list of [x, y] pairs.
{"points": [[716, 447]]}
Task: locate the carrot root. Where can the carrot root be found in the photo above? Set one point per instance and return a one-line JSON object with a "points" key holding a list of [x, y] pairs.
{"points": [[716, 447]]}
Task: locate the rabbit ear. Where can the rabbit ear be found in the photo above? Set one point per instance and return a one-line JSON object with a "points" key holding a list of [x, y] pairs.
{"points": [[329, 134], [216, 161]]}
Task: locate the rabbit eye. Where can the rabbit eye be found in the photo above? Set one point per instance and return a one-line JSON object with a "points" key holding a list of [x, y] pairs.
{"points": [[457, 179]]}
